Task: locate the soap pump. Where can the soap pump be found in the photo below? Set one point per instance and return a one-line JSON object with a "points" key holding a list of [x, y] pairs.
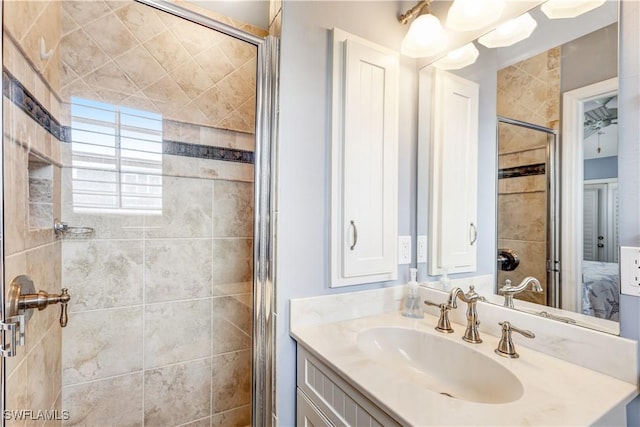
{"points": [[412, 305]]}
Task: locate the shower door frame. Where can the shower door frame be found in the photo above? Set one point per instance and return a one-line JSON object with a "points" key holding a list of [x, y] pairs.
{"points": [[264, 185], [553, 212]]}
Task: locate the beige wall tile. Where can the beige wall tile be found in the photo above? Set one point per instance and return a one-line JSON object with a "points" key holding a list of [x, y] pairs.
{"points": [[195, 38], [44, 371], [522, 184], [83, 12], [231, 325], [16, 391], [46, 25], [233, 209], [103, 273], [110, 34], [231, 377], [93, 348], [140, 66], [188, 398], [15, 190], [218, 169], [191, 78], [235, 417], [117, 399], [80, 52], [140, 20], [215, 63], [109, 76], [522, 216], [166, 48], [186, 212], [164, 344], [233, 260], [177, 269]]}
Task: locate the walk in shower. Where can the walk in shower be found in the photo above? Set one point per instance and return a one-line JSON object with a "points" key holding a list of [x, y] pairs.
{"points": [[134, 129]]}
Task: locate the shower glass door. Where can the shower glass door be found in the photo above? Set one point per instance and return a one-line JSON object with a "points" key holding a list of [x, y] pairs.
{"points": [[128, 155]]}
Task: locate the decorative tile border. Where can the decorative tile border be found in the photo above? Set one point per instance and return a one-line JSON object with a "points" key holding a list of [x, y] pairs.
{"points": [[178, 148], [23, 99], [519, 171]]}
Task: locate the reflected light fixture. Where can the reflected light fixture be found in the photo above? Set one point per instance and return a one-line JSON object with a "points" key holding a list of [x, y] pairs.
{"points": [[459, 58], [426, 36], [560, 9], [469, 15], [509, 33]]}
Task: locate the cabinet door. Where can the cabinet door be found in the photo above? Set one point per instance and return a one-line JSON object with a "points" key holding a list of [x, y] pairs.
{"points": [[307, 415], [364, 162], [453, 223]]}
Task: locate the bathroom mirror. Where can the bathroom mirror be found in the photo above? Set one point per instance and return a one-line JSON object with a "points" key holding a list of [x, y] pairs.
{"points": [[530, 167]]}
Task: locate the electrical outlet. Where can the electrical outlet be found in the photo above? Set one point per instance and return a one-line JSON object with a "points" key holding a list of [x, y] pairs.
{"points": [[422, 249], [630, 270], [404, 249]]}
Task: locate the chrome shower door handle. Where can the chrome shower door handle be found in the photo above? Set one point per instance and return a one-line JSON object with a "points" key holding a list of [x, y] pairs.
{"points": [[355, 235], [474, 238]]}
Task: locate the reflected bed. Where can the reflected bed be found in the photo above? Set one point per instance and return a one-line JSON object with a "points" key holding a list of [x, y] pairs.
{"points": [[600, 293]]}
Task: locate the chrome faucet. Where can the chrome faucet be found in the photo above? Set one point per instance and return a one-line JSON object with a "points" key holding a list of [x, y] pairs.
{"points": [[509, 291], [471, 334], [505, 346]]}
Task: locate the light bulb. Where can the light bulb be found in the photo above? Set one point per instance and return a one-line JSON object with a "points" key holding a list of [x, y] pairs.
{"points": [[560, 9], [424, 38], [459, 58], [469, 15], [509, 33]]}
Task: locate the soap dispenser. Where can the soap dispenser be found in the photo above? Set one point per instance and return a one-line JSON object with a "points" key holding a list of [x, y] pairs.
{"points": [[412, 306]]}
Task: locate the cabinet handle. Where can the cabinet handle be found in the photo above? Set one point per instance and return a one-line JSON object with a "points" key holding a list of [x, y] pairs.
{"points": [[355, 235], [475, 234]]}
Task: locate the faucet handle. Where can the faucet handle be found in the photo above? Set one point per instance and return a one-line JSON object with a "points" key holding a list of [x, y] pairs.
{"points": [[444, 325], [505, 346]]}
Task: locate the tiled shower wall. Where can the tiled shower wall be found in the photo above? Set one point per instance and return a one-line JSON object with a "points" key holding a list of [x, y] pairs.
{"points": [[159, 326], [528, 91], [32, 198]]}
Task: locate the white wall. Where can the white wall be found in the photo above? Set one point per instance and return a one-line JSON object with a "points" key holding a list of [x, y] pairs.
{"points": [[629, 164], [304, 152]]}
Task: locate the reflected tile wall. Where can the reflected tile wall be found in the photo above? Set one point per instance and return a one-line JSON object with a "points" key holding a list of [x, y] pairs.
{"points": [[528, 91]]}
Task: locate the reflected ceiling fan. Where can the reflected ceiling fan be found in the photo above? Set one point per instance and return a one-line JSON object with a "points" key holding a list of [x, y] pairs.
{"points": [[599, 114]]}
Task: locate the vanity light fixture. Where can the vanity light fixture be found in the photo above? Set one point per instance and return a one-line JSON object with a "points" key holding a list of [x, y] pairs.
{"points": [[509, 33], [459, 58], [426, 36], [560, 9], [469, 15]]}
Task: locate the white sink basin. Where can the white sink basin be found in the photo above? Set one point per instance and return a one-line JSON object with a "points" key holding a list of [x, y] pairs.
{"points": [[442, 365]]}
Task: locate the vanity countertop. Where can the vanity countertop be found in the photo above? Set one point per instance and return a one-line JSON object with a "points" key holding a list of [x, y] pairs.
{"points": [[555, 392]]}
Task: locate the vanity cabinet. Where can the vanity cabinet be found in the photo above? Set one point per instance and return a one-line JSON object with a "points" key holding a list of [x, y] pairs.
{"points": [[453, 225], [364, 161], [323, 398]]}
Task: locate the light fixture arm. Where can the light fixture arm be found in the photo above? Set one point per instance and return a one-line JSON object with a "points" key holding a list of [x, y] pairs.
{"points": [[414, 11]]}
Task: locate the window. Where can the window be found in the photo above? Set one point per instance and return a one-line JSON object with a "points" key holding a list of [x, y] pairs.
{"points": [[116, 158]]}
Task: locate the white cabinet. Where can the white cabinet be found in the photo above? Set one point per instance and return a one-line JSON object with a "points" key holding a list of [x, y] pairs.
{"points": [[364, 161], [324, 398], [453, 229]]}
